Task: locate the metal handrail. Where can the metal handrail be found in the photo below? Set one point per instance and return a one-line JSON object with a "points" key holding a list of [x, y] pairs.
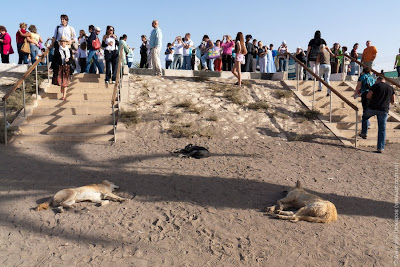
{"points": [[18, 84], [316, 77], [372, 70], [115, 93]]}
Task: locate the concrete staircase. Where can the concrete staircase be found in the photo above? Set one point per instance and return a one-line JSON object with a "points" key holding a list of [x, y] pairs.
{"points": [[343, 116], [85, 116]]}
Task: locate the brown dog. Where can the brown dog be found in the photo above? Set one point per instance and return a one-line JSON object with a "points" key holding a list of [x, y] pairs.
{"points": [[310, 207], [96, 193]]}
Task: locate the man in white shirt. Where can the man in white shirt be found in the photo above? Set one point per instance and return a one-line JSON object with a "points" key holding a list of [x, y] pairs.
{"points": [[178, 53], [64, 30], [187, 55]]}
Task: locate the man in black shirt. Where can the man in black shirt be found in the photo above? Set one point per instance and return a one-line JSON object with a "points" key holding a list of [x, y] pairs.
{"points": [[249, 56], [381, 95]]}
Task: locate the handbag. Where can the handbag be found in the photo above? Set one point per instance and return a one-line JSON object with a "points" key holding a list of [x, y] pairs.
{"points": [[25, 48], [96, 44], [214, 53]]}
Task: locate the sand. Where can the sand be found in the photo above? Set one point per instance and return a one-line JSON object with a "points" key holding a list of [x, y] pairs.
{"points": [[207, 212]]}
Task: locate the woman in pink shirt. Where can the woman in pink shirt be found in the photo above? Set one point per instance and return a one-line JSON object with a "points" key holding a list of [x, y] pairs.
{"points": [[6, 48], [227, 52]]}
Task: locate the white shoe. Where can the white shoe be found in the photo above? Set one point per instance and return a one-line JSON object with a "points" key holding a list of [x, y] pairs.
{"points": [[107, 82], [113, 82]]}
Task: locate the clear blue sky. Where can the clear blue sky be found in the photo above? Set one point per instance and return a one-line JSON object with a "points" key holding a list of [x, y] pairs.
{"points": [[295, 21]]}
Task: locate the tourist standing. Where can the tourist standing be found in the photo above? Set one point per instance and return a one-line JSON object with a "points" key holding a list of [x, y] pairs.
{"points": [[227, 52], [82, 51], [255, 56], [93, 50], [335, 61], [271, 68], [247, 67], [300, 55], [381, 95], [354, 55], [323, 59], [20, 38], [35, 42], [241, 51], [262, 57], [5, 45], [187, 52], [206, 45], [169, 56], [155, 46], [282, 50], [178, 53], [143, 52], [369, 55], [122, 46], [218, 60], [345, 60], [397, 64], [110, 44], [313, 51]]}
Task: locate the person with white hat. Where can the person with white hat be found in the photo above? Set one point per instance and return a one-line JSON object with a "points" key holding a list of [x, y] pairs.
{"points": [[62, 65], [283, 49]]}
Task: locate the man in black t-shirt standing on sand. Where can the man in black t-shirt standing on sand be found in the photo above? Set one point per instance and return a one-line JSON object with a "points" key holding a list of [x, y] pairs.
{"points": [[381, 95]]}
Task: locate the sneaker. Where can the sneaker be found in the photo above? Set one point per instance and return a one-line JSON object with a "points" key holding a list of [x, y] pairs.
{"points": [[113, 82], [319, 90], [380, 151], [107, 82], [328, 94], [363, 136]]}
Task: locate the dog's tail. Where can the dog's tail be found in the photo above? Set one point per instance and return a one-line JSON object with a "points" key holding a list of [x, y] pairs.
{"points": [[44, 205]]}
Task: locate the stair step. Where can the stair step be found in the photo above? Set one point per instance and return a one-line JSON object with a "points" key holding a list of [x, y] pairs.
{"points": [[374, 125], [81, 90], [64, 137], [78, 96], [373, 133], [73, 103], [70, 119], [73, 128], [71, 111]]}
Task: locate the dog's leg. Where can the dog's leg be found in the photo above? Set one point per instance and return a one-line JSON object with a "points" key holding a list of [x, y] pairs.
{"points": [[113, 197], [287, 213]]}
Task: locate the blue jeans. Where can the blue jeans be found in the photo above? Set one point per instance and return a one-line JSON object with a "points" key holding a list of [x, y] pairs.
{"points": [[34, 52], [324, 70], [282, 64], [168, 64], [92, 55], [22, 56], [187, 63], [382, 118], [178, 62], [203, 60], [352, 68]]}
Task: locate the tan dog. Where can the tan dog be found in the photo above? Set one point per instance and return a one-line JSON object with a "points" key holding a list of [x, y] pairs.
{"points": [[66, 198], [310, 207]]}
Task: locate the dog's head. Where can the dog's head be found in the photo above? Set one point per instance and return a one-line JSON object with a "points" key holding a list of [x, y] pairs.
{"points": [[111, 185]]}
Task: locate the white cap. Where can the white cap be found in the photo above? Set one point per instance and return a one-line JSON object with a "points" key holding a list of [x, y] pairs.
{"points": [[98, 29]]}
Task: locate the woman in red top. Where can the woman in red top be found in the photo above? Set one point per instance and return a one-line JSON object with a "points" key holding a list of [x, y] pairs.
{"points": [[5, 42], [20, 38]]}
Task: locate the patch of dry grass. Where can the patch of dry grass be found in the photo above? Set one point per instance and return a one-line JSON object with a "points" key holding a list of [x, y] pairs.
{"points": [[235, 95], [189, 106], [259, 105], [280, 115], [159, 102], [187, 130], [200, 79], [130, 117], [309, 114], [212, 118], [10, 131], [16, 100], [283, 93]]}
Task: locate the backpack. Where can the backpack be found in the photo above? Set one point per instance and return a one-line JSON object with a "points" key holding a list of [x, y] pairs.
{"points": [[367, 82], [197, 152]]}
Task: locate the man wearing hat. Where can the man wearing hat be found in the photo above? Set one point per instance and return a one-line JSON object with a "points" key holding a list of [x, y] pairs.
{"points": [[92, 55]]}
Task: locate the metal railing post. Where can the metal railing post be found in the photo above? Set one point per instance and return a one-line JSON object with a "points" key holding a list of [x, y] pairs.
{"points": [[5, 121], [23, 90], [330, 107], [297, 74], [313, 93], [355, 137], [37, 85], [113, 112], [287, 66], [48, 67]]}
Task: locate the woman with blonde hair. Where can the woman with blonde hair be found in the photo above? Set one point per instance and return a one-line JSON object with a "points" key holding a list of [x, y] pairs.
{"points": [[34, 40], [240, 51], [20, 38]]}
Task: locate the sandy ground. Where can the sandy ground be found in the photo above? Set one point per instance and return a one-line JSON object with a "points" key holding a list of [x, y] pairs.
{"points": [[207, 212]]}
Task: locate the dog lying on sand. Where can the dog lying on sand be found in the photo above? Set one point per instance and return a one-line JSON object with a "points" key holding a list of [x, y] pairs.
{"points": [[310, 207], [97, 193]]}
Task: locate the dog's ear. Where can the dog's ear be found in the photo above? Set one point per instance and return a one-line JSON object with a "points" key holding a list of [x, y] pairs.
{"points": [[298, 184], [106, 182]]}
